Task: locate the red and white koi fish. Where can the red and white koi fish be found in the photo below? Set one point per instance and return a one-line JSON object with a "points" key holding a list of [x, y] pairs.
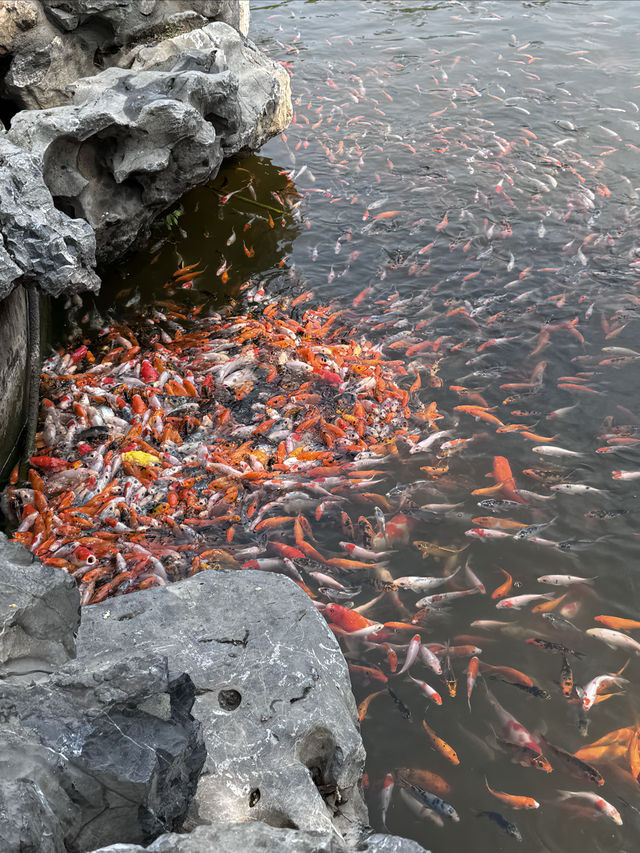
{"points": [[385, 797], [517, 602], [428, 690], [472, 674], [512, 730], [594, 801]]}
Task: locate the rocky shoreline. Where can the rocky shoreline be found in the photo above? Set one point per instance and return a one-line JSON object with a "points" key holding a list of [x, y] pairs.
{"points": [[215, 713], [109, 113]]}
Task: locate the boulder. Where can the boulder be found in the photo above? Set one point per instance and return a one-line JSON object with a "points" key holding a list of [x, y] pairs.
{"points": [[273, 695], [99, 752], [38, 244], [39, 613], [253, 836], [49, 44], [134, 140]]}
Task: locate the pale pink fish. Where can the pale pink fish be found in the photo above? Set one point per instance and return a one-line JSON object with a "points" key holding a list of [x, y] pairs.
{"points": [[473, 579], [412, 653], [517, 602], [431, 660], [441, 598], [360, 553]]}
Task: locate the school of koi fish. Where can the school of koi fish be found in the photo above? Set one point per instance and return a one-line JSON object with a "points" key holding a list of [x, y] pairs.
{"points": [[336, 421]]}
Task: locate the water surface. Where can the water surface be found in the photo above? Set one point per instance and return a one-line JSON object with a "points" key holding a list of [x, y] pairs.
{"points": [[501, 140]]}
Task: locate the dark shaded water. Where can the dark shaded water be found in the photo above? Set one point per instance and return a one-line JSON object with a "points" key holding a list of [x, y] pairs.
{"points": [[501, 141]]}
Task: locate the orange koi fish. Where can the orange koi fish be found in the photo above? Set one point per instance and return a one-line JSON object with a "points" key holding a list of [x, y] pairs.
{"points": [[514, 801], [441, 745]]}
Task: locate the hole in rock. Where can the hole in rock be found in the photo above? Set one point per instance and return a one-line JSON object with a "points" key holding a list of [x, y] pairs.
{"points": [[229, 700], [317, 752], [254, 797], [280, 821]]}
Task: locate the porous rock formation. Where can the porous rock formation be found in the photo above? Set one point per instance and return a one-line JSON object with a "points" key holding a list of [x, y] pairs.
{"points": [[45, 45], [134, 139], [273, 695], [39, 245]]}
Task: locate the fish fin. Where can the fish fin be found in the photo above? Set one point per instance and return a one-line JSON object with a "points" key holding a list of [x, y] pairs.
{"points": [[622, 668]]}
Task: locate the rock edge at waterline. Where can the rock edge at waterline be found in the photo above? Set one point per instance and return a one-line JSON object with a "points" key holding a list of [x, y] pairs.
{"points": [[134, 140], [235, 663]]}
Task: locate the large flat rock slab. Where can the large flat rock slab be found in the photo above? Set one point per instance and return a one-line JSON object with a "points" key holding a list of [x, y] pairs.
{"points": [[273, 695]]}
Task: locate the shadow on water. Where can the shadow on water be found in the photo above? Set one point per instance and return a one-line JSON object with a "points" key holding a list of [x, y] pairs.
{"points": [[231, 230]]}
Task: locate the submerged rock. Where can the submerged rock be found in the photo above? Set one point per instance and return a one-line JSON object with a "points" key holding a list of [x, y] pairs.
{"points": [[39, 245], [49, 44], [134, 140]]}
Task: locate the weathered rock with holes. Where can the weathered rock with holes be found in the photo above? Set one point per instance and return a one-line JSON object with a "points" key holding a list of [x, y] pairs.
{"points": [[39, 613], [133, 141], [101, 751], [38, 244], [49, 44], [252, 836], [273, 695]]}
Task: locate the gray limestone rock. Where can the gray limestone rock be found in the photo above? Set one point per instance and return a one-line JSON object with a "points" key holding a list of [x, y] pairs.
{"points": [[251, 837], [99, 752], [39, 613], [273, 695], [381, 843], [52, 43], [133, 141], [39, 244]]}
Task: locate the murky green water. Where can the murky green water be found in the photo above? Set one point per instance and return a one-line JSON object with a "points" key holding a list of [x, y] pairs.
{"points": [[502, 141]]}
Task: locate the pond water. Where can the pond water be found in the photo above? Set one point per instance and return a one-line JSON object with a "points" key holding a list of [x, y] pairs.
{"points": [[463, 179]]}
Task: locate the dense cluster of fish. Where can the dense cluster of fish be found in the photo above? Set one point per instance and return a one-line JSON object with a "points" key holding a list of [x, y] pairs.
{"points": [[460, 303], [238, 439], [505, 252]]}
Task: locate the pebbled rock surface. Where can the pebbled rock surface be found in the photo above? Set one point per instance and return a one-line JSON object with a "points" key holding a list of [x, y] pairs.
{"points": [[273, 695], [252, 836], [39, 244], [39, 613], [101, 751], [49, 44], [134, 140]]}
